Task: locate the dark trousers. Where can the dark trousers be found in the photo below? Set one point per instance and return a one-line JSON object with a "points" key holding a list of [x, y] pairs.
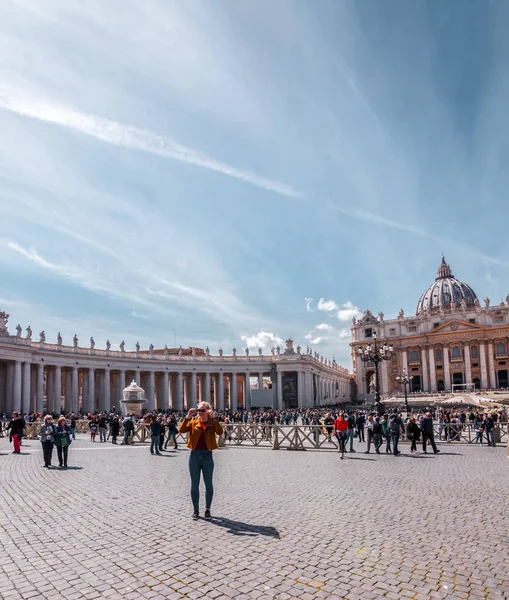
{"points": [[201, 461], [360, 433], [62, 455], [154, 444], [47, 450], [413, 445], [431, 438], [169, 436], [395, 442]]}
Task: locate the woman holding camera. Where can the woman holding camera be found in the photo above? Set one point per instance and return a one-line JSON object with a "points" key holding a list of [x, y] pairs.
{"points": [[201, 441]]}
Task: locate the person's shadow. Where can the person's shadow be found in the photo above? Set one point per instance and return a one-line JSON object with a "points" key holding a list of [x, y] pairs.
{"points": [[244, 529]]}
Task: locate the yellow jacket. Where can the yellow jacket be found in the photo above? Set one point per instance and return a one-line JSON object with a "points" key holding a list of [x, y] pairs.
{"points": [[194, 428]]}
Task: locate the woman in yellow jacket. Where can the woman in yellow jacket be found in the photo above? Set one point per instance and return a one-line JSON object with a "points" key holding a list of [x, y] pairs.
{"points": [[202, 440]]}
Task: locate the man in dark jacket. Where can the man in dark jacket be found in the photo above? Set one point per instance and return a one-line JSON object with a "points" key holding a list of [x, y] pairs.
{"points": [[359, 422], [351, 429], [155, 430], [395, 427], [428, 433]]}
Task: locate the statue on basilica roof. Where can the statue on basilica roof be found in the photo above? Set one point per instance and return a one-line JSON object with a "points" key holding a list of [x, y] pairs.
{"points": [[29, 333], [18, 330], [486, 302], [4, 317]]}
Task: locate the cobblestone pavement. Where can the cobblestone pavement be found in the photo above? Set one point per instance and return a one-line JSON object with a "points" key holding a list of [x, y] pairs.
{"points": [[305, 525]]}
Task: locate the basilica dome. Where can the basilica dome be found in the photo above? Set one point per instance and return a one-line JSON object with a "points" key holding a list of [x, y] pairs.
{"points": [[446, 293]]}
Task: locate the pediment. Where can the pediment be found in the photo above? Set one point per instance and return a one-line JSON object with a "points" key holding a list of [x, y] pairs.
{"points": [[455, 326]]}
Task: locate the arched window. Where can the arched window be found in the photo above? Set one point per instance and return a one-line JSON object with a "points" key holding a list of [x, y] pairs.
{"points": [[414, 356], [501, 348], [438, 354], [456, 352], [475, 352]]}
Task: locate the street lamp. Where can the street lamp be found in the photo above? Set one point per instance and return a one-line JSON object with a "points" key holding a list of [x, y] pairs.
{"points": [[376, 354], [405, 380]]}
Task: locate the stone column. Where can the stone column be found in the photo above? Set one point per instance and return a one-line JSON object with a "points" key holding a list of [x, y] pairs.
{"points": [[360, 377], [484, 370], [164, 403], [50, 388], [150, 391], [385, 380], [39, 398], [247, 392], [137, 376], [432, 369], [121, 386], [220, 392], [206, 387], [16, 388], [279, 390], [89, 405], [26, 407], [404, 361], [67, 391], [106, 399], [468, 364], [75, 390], [178, 396], [260, 380], [301, 396], [491, 365], [233, 392], [194, 392], [447, 372], [424, 365], [57, 373]]}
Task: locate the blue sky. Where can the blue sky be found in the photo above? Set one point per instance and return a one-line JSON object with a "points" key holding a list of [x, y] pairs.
{"points": [[206, 167]]}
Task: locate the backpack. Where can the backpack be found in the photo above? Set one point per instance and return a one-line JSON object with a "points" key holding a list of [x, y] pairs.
{"points": [[394, 423]]}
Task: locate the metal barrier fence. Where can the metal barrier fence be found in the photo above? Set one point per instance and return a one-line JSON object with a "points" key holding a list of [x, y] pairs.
{"points": [[295, 437]]}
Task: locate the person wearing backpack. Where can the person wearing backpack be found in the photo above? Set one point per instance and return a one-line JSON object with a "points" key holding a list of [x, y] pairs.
{"points": [[396, 427], [489, 425]]}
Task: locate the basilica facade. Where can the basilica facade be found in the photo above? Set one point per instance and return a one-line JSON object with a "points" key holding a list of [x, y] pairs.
{"points": [[452, 340]]}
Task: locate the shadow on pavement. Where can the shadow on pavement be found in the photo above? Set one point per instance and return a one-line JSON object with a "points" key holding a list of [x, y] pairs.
{"points": [[56, 468], [245, 529], [358, 458]]}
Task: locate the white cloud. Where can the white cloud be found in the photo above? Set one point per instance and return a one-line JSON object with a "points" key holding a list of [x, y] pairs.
{"points": [[314, 340], [325, 327], [308, 304], [262, 339], [132, 138], [348, 311], [327, 305]]}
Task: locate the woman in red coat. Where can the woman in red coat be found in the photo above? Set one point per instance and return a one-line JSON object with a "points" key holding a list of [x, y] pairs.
{"points": [[341, 429]]}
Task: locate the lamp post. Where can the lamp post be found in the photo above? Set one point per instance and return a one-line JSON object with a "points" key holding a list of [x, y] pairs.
{"points": [[405, 380], [376, 354]]}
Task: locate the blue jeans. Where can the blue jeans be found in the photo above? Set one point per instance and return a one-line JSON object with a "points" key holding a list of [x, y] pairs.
{"points": [[395, 442], [201, 461], [387, 443], [350, 437], [342, 439], [490, 436], [169, 436], [73, 432], [154, 444]]}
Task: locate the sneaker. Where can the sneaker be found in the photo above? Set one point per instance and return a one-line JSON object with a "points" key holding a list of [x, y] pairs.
{"points": [[352, 450], [341, 457], [196, 515], [208, 516]]}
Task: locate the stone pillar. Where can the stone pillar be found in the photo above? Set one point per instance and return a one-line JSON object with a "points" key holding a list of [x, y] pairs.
{"points": [[75, 390], [359, 377], [260, 380], [150, 391], [39, 397], [301, 396], [50, 388], [193, 399], [385, 380], [16, 388], [491, 366], [279, 390], [164, 402], [220, 392], [68, 391], [247, 392], [404, 361], [26, 406], [468, 364], [178, 396], [106, 399], [206, 388], [57, 388], [89, 405], [432, 370], [137, 376], [447, 372], [484, 370], [121, 386], [424, 365], [233, 392]]}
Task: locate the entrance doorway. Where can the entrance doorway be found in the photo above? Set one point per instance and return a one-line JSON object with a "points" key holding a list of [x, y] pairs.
{"points": [[457, 378], [503, 381], [440, 385], [477, 383], [416, 384]]}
